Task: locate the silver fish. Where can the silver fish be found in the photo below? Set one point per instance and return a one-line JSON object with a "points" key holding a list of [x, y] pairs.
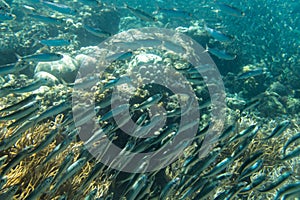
{"points": [[252, 73], [3, 181], [27, 109], [219, 167], [141, 14], [278, 129], [48, 139], [64, 165], [114, 112], [91, 195], [230, 10], [132, 193], [217, 34], [96, 31], [280, 180], [60, 8], [174, 13], [290, 141], [42, 57], [7, 17], [115, 82], [250, 170], [55, 42], [40, 189], [12, 68], [254, 183], [70, 172], [8, 195], [221, 54], [19, 104], [149, 102], [46, 19], [168, 190], [287, 189]]}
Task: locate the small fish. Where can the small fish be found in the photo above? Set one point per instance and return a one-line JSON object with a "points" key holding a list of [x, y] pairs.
{"points": [[42, 57], [91, 2], [115, 82], [174, 13], [54, 110], [135, 189], [287, 189], [251, 104], [120, 56], [4, 6], [278, 129], [206, 190], [97, 169], [252, 129], [3, 160], [250, 170], [250, 160], [254, 183], [217, 34], [7, 17], [64, 165], [12, 68], [3, 181], [221, 54], [46, 19], [149, 102], [48, 139], [10, 192], [91, 195], [292, 154], [70, 172], [55, 42], [27, 109], [60, 8], [40, 189], [168, 190], [252, 73], [277, 183], [219, 167], [141, 14], [96, 31], [114, 112], [16, 160], [230, 10], [294, 138]]}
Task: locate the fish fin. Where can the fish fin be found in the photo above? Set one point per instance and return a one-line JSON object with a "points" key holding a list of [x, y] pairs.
{"points": [[206, 49]]}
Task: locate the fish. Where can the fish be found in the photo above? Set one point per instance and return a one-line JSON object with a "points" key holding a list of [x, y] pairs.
{"points": [[206, 190], [3, 160], [10, 192], [64, 165], [12, 68], [97, 169], [91, 195], [221, 54], [287, 189], [41, 57], [70, 172], [149, 102], [91, 2], [40, 189], [281, 127], [53, 111], [61, 8], [141, 14], [96, 31], [219, 167], [16, 160], [48, 139], [7, 17], [292, 154], [46, 19], [174, 13], [250, 160], [251, 73], [277, 183], [230, 10], [251, 169], [3, 181], [251, 130], [257, 181], [294, 138], [135, 189], [55, 42], [169, 189], [115, 82], [4, 6], [19, 104], [27, 109], [119, 56], [114, 112], [217, 34]]}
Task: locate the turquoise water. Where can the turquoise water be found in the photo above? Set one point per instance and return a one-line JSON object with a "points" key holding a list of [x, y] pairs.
{"points": [[149, 100]]}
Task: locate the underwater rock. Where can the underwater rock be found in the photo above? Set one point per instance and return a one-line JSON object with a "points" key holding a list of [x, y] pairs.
{"points": [[65, 69]]}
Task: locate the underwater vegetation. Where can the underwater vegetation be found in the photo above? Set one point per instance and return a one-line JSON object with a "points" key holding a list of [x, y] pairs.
{"points": [[80, 79]]}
